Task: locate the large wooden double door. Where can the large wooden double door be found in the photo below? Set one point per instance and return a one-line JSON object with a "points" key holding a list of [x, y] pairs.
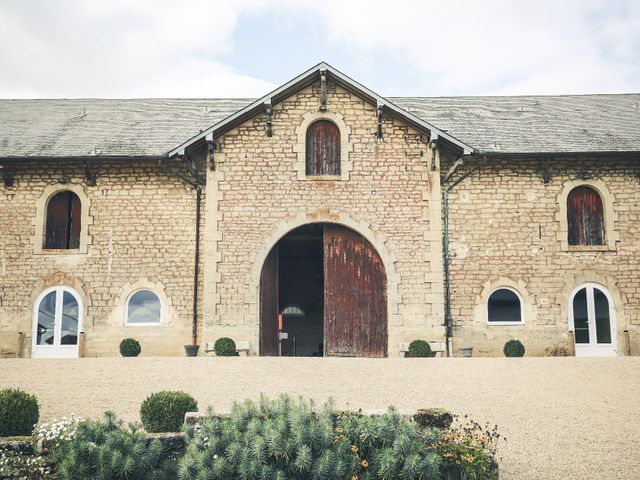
{"points": [[355, 297]]}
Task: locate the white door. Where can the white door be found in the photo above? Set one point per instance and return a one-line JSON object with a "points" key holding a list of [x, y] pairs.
{"points": [[57, 320], [592, 320]]}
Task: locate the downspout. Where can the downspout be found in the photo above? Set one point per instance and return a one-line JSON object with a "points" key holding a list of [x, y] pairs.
{"points": [[194, 323], [446, 260], [191, 177]]}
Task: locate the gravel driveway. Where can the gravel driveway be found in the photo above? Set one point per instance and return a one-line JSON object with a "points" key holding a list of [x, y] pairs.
{"points": [[564, 418]]}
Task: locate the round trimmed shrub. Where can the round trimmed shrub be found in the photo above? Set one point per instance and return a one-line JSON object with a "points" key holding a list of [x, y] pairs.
{"points": [[225, 347], [419, 349], [513, 348], [164, 411], [19, 412], [130, 347]]}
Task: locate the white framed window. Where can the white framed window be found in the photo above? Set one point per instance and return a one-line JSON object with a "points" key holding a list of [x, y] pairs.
{"points": [[143, 308], [592, 319], [505, 307], [57, 323]]}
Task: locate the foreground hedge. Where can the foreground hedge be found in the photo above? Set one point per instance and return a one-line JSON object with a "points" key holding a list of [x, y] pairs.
{"points": [[287, 439], [270, 439], [164, 411], [19, 412]]}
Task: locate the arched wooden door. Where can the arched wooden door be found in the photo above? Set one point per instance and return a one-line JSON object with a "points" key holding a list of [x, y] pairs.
{"points": [[269, 305], [355, 296]]}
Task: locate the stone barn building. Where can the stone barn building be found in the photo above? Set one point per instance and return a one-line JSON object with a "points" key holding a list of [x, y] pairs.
{"points": [[351, 222]]}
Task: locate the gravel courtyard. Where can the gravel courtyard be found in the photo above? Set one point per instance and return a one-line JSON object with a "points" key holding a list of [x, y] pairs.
{"points": [[564, 418]]}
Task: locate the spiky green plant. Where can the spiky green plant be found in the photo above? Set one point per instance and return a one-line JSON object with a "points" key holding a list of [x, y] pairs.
{"points": [[285, 438], [107, 450]]}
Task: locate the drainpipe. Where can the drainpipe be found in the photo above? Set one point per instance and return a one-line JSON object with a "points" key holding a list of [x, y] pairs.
{"points": [[448, 317], [194, 323], [190, 176]]}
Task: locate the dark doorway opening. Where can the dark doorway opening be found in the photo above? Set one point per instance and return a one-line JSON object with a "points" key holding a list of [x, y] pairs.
{"points": [[301, 296]]}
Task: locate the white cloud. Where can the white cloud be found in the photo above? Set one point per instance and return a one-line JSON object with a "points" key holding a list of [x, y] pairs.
{"points": [[171, 48], [120, 48], [542, 46]]}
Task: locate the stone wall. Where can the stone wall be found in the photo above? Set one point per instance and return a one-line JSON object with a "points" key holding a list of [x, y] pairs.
{"points": [[387, 192], [508, 228], [140, 234]]}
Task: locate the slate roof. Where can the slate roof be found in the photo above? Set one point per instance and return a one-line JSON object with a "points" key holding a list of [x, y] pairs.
{"points": [[152, 127], [536, 124]]}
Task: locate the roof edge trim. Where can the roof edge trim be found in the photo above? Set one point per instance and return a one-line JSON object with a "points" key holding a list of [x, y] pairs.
{"points": [[300, 82]]}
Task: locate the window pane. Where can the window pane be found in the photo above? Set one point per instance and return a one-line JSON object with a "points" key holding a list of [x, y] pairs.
{"points": [[581, 317], [603, 323], [144, 307], [46, 320], [504, 306], [70, 315]]}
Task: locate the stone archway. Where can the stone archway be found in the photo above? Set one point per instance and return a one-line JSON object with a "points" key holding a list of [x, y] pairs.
{"points": [[336, 281]]}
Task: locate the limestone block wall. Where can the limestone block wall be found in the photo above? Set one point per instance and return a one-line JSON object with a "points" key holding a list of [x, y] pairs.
{"points": [[140, 235], [508, 228], [387, 192]]}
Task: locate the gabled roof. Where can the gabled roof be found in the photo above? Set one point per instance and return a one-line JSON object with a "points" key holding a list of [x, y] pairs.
{"points": [[305, 79]]}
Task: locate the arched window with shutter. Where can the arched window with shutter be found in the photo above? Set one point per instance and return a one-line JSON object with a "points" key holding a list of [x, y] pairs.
{"points": [[323, 148], [585, 217], [62, 227]]}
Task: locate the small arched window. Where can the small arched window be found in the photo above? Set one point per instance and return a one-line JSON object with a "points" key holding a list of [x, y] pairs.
{"points": [[143, 308], [62, 228], [504, 306], [585, 217], [323, 148]]}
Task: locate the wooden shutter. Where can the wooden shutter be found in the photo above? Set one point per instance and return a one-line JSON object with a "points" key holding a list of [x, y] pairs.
{"points": [[355, 296], [585, 217], [269, 304], [323, 148], [74, 221], [63, 221]]}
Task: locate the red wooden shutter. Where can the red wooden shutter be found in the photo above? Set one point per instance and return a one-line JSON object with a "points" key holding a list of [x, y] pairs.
{"points": [[323, 148], [585, 217], [62, 230], [269, 304], [74, 221], [57, 226], [355, 296]]}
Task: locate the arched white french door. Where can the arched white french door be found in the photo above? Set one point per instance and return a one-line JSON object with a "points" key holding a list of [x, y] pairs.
{"points": [[57, 322], [592, 320]]}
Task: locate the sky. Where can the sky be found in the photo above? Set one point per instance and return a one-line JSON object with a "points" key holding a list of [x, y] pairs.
{"points": [[246, 48]]}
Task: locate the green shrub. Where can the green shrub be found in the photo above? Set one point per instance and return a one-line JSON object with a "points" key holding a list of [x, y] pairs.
{"points": [[225, 347], [130, 347], [513, 348], [19, 412], [287, 438], [107, 450], [164, 411], [419, 348]]}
